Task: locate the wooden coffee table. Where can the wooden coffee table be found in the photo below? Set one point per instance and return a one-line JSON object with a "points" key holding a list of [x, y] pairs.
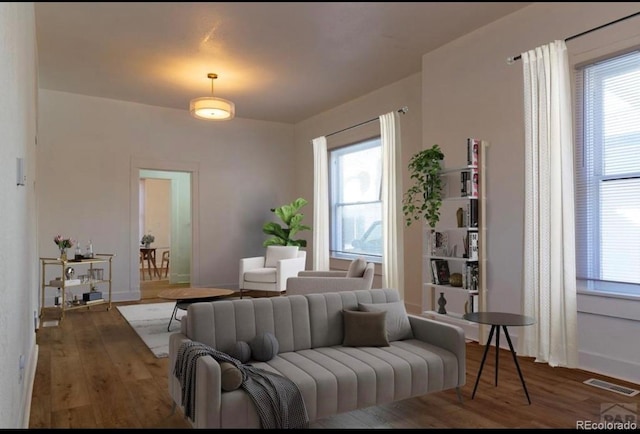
{"points": [[186, 296]]}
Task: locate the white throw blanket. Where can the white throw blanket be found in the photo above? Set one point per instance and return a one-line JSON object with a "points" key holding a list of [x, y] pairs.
{"points": [[278, 400]]}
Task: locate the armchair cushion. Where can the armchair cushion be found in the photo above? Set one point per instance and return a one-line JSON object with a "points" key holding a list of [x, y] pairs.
{"points": [[262, 275], [276, 253], [357, 267]]}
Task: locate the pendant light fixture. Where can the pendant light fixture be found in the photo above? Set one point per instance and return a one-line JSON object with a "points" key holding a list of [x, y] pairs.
{"points": [[212, 108]]}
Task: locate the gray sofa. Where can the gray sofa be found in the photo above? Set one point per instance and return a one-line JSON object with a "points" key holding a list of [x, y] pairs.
{"points": [[332, 378], [310, 281]]}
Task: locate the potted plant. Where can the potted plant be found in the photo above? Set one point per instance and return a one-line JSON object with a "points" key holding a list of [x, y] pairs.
{"points": [[147, 240], [292, 217], [424, 198]]}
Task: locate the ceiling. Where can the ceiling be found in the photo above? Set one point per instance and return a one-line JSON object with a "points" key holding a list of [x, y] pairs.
{"points": [[280, 61]]}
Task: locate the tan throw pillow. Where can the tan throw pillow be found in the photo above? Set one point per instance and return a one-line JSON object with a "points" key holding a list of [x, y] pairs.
{"points": [[276, 253], [357, 267], [397, 321], [231, 377], [364, 329]]}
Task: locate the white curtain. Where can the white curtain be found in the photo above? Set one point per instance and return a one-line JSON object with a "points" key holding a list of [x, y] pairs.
{"points": [[320, 205], [549, 270], [392, 218]]}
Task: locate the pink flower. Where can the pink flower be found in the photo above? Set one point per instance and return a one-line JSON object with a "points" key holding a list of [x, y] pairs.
{"points": [[63, 243]]}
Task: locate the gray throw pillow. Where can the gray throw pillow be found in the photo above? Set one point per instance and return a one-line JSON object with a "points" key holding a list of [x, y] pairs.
{"points": [[231, 377], [264, 347], [397, 321], [241, 351], [357, 267], [364, 329]]}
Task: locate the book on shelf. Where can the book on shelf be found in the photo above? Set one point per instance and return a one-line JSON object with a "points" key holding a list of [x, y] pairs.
{"points": [[434, 272], [464, 183], [439, 243], [473, 213], [441, 271], [472, 189], [473, 245], [471, 305], [470, 272], [473, 146]]}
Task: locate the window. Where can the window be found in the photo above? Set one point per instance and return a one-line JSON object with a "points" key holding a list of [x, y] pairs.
{"points": [[608, 175], [355, 179]]}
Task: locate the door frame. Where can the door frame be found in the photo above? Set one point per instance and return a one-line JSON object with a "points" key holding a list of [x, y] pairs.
{"points": [[170, 166]]}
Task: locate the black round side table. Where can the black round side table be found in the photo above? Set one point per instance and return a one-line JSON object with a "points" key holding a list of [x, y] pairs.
{"points": [[497, 320]]}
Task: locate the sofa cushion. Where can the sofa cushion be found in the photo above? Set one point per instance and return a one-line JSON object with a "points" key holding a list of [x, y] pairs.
{"points": [[276, 253], [222, 323], [364, 329], [264, 347], [339, 379], [357, 267], [231, 377], [397, 321], [325, 312]]}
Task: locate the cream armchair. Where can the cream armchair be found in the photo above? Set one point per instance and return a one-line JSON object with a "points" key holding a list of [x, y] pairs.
{"points": [[358, 276], [270, 272]]}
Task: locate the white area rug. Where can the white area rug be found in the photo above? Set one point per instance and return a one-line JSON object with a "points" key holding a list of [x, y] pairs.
{"points": [[150, 322]]}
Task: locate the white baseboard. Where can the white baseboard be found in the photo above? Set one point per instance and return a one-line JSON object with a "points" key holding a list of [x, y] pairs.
{"points": [[624, 370], [28, 384]]}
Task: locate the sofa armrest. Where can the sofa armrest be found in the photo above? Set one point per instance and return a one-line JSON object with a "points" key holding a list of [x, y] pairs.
{"points": [[443, 335], [316, 273], [208, 387], [175, 340], [208, 401], [286, 268], [308, 285], [247, 264]]}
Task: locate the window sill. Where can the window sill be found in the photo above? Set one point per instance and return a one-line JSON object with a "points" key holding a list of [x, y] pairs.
{"points": [[349, 258], [616, 295], [614, 305], [601, 288]]}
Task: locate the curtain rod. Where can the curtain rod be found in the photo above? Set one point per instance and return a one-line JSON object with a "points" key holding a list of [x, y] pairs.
{"points": [[402, 110], [511, 60]]}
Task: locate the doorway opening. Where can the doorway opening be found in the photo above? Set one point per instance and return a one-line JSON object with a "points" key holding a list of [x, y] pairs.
{"points": [[165, 216]]}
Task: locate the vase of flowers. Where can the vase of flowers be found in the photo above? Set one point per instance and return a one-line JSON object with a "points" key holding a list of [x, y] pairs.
{"points": [[147, 240], [63, 244]]}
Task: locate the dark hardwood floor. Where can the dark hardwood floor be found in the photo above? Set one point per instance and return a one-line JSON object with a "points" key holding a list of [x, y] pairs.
{"points": [[94, 372]]}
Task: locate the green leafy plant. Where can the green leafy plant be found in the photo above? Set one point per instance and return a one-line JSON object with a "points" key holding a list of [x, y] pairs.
{"points": [[292, 218], [147, 239], [424, 198], [62, 242]]}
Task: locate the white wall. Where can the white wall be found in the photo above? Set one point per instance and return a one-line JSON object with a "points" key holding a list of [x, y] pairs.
{"points": [[157, 211], [406, 92], [18, 258], [87, 147], [469, 90]]}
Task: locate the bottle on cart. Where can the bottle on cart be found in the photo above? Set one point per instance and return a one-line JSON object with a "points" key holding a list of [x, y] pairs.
{"points": [[89, 251], [78, 254]]}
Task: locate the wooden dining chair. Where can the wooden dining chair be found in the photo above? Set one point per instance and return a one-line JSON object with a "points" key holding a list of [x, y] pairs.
{"points": [[165, 259]]}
